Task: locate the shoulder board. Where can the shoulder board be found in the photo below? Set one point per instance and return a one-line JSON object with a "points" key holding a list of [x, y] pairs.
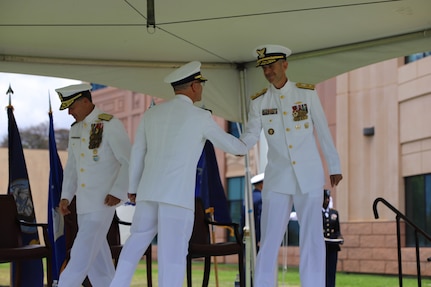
{"points": [[305, 86], [257, 95], [105, 117]]}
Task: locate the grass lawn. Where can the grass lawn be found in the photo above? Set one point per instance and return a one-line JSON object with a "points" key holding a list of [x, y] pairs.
{"points": [[289, 278]]}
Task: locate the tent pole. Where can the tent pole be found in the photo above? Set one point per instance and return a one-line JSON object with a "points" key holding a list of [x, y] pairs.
{"points": [[249, 228]]}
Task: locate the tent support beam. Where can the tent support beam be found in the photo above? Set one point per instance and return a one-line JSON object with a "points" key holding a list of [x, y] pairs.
{"points": [[151, 16]]}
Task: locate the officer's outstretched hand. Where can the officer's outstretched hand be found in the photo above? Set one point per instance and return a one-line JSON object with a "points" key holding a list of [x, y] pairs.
{"points": [[335, 179], [111, 200], [63, 207], [132, 197]]}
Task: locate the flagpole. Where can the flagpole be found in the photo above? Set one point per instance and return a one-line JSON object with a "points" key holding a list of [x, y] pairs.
{"points": [[30, 271], [249, 229]]}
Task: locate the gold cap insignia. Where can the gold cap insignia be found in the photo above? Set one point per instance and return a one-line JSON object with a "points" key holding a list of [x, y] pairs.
{"points": [[261, 53]]}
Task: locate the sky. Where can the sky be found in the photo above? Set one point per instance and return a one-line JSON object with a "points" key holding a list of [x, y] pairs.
{"points": [[31, 101]]}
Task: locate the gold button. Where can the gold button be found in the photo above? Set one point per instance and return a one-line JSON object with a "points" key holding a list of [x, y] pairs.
{"points": [[293, 162], [82, 154], [287, 130], [83, 139], [82, 170], [290, 146], [83, 185], [85, 125], [281, 97], [270, 121], [284, 113]]}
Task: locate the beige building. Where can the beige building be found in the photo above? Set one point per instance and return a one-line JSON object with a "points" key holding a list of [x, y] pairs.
{"points": [[392, 97], [379, 118]]}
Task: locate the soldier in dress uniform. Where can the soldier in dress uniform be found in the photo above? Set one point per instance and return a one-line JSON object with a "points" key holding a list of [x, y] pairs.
{"points": [[289, 113], [168, 144], [96, 173], [333, 238]]}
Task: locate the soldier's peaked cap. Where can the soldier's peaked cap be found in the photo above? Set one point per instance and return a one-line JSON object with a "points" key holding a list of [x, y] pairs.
{"points": [[268, 54], [257, 178], [69, 94], [186, 73]]}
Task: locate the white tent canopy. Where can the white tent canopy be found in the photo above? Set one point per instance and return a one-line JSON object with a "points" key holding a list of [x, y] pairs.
{"points": [[112, 43], [108, 42]]}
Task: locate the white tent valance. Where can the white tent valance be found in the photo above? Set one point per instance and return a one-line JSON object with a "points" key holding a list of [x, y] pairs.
{"points": [[108, 42]]}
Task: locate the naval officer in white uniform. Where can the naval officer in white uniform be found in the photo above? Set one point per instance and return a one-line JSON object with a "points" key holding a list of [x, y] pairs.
{"points": [[96, 173], [289, 113], [167, 147]]}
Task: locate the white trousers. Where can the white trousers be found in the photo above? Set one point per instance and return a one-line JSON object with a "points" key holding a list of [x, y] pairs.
{"points": [[173, 226], [276, 208], [90, 254]]}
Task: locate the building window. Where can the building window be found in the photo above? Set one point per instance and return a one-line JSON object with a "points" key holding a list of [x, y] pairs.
{"points": [[235, 191], [415, 57], [418, 207]]}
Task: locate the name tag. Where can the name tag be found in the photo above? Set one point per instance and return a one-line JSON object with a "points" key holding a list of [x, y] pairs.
{"points": [[266, 112]]}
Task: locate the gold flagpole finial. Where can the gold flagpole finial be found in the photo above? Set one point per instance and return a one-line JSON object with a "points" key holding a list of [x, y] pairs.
{"points": [[9, 93], [49, 99]]}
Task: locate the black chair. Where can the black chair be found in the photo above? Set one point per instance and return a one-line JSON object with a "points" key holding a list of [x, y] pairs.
{"points": [[11, 246], [200, 245], [114, 241]]}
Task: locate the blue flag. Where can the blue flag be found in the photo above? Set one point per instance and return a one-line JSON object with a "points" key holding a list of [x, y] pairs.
{"points": [[19, 187], [55, 219], [208, 185]]}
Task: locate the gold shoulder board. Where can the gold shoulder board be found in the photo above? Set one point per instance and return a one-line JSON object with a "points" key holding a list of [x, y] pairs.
{"points": [[305, 86], [257, 95], [105, 117]]}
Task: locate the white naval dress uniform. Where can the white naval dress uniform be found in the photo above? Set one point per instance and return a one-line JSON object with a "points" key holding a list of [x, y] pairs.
{"points": [[294, 175], [168, 144], [90, 175]]}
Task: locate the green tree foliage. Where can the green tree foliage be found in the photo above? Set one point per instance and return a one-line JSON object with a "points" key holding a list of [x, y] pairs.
{"points": [[36, 137]]}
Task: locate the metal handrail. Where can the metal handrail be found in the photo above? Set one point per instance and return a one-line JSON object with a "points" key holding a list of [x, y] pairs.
{"points": [[417, 230]]}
